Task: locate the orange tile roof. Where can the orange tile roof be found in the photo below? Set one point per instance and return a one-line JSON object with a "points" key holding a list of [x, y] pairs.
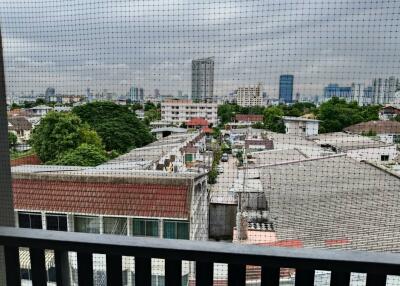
{"points": [[207, 130], [198, 121], [249, 117]]}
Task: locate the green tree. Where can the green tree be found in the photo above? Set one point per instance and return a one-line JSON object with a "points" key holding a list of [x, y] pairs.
{"points": [[213, 173], [149, 106], [118, 126], [12, 140], [227, 111], [273, 119], [397, 118], [84, 155], [40, 101], [216, 133], [152, 115], [60, 132], [298, 109], [258, 125], [15, 106], [337, 114], [136, 106]]}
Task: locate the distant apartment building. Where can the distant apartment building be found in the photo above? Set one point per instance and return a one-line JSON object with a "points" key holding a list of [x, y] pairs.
{"points": [[249, 96], [180, 111], [50, 94], [384, 90], [334, 90], [89, 95], [286, 88], [203, 80], [361, 94], [133, 94]]}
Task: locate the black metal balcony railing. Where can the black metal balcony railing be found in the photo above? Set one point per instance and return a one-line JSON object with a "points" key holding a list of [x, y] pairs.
{"points": [[340, 263]]}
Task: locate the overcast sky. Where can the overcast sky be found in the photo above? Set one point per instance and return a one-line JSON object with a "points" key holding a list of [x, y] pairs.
{"points": [[112, 44]]}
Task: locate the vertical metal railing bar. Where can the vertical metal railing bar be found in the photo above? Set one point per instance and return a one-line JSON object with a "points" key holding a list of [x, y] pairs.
{"points": [[114, 269], [6, 199], [339, 278], [62, 268], [236, 274], [304, 277], [38, 266], [11, 254], [376, 280], [85, 268], [173, 272], [204, 273], [270, 276], [142, 271]]}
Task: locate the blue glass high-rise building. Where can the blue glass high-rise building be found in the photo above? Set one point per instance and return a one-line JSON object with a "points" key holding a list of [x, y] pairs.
{"points": [[286, 88]]}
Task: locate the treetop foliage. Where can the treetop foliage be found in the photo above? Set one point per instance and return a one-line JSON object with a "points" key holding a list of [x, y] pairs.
{"points": [[118, 126], [337, 114], [59, 132], [84, 155]]}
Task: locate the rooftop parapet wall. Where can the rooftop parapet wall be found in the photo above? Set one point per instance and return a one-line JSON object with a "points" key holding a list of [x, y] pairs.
{"points": [[140, 177]]}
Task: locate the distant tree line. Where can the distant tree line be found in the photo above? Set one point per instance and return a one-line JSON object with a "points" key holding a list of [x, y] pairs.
{"points": [[334, 114]]}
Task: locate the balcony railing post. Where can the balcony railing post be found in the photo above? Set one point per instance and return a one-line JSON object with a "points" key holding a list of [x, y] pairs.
{"points": [[339, 278], [270, 276], [204, 273], [143, 271], [62, 268], [6, 200], [173, 272], [38, 266], [11, 254], [304, 277], [114, 269], [85, 268], [236, 274]]}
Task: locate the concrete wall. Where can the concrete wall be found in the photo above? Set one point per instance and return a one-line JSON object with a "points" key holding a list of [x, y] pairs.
{"points": [[388, 138], [302, 128], [312, 128], [222, 221], [199, 212], [373, 154]]}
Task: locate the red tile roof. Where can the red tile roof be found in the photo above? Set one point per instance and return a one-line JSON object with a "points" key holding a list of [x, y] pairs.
{"points": [[198, 121], [249, 117], [391, 109], [27, 160], [379, 127], [207, 130], [337, 242], [148, 200], [291, 243]]}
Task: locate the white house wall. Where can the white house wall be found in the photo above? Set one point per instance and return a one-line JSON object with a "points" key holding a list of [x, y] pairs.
{"points": [[373, 154]]}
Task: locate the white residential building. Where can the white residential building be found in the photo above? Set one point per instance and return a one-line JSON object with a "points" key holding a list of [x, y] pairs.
{"points": [[249, 96], [180, 111], [301, 126], [358, 147], [40, 110]]}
